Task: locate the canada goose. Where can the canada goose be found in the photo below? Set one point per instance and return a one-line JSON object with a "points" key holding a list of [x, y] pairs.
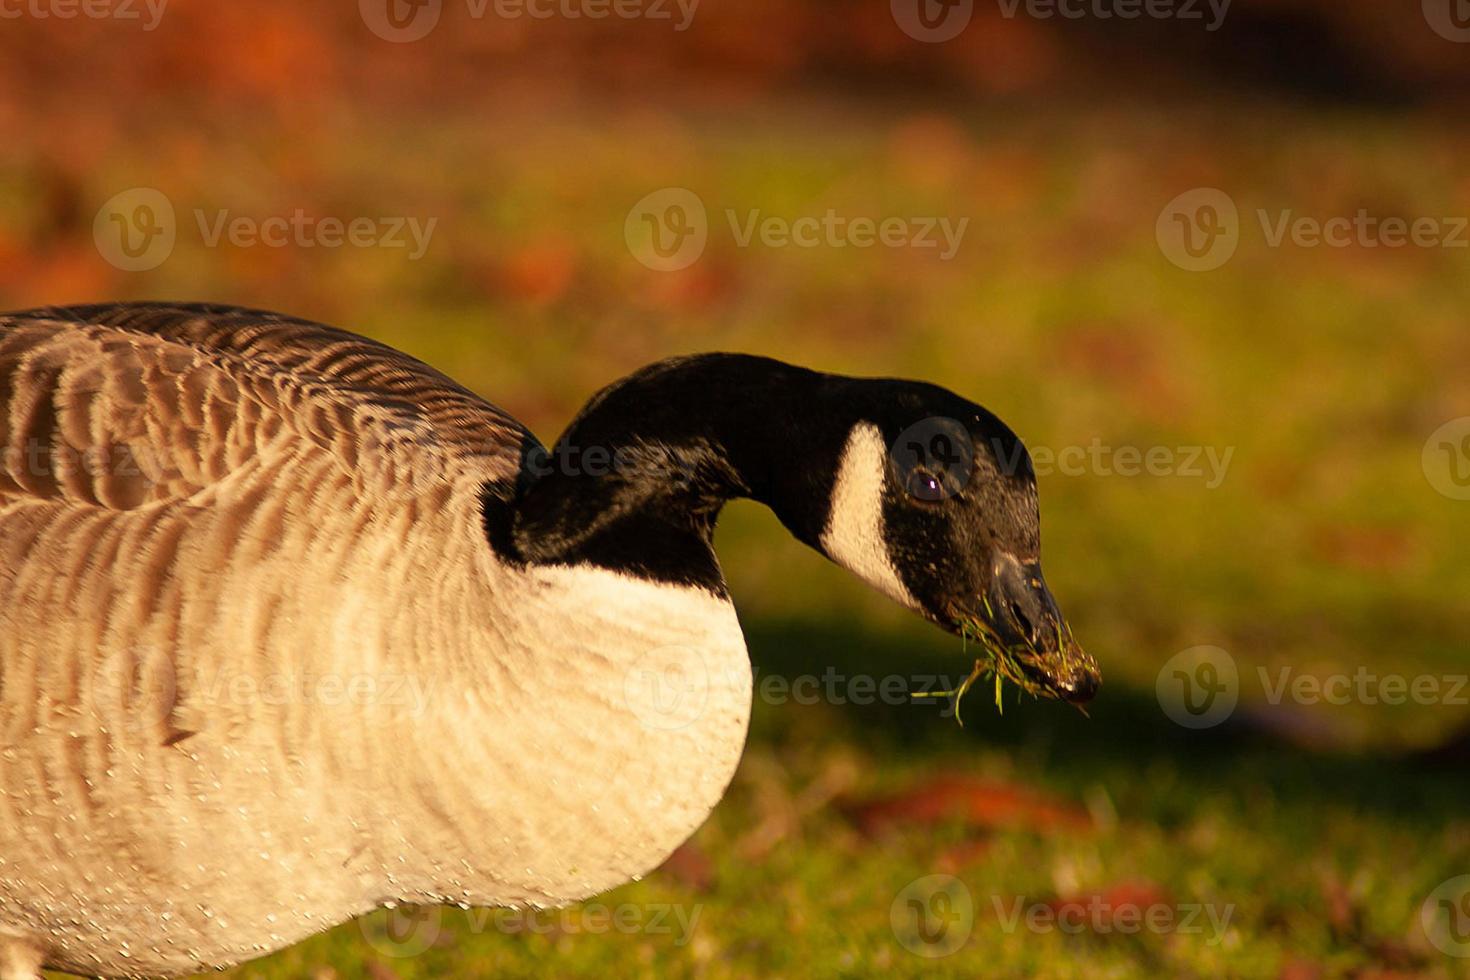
{"points": [[292, 626]]}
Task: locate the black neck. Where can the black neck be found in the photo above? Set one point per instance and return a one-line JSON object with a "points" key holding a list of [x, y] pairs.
{"points": [[637, 481]]}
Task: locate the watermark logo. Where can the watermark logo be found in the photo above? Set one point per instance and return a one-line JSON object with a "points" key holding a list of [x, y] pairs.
{"points": [[317, 689], [1445, 916], [1199, 230], [833, 230], [933, 458], [1364, 687], [135, 230], [932, 21], [1446, 459], [136, 689], [401, 21], [405, 930], [933, 916], [1209, 464], [832, 687], [1198, 687], [668, 687], [1361, 230], [1450, 19], [667, 230]]}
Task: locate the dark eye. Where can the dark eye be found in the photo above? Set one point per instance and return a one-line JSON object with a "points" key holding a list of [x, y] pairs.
{"points": [[926, 486]]}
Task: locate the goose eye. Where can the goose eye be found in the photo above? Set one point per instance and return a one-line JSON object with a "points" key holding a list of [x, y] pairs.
{"points": [[926, 486], [933, 459]]}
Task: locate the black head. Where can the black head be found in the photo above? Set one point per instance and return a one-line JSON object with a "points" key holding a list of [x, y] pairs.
{"points": [[926, 496]]}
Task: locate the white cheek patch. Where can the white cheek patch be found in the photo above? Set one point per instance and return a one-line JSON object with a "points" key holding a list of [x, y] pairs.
{"points": [[854, 534]]}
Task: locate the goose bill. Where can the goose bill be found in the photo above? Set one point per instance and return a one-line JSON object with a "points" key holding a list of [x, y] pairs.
{"points": [[1019, 625]]}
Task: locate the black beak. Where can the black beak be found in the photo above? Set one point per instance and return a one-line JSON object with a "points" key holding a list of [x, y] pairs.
{"points": [[1021, 616]]}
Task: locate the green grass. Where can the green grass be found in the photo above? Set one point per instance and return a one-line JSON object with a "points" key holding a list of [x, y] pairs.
{"points": [[1323, 549], [1228, 820]]}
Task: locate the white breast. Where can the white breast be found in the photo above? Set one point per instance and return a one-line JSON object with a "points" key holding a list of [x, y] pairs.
{"points": [[614, 724]]}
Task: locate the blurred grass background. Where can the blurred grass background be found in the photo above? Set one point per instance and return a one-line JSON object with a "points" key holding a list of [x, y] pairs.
{"points": [[1323, 550]]}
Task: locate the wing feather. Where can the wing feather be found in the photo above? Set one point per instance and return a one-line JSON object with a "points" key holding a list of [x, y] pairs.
{"points": [[129, 405]]}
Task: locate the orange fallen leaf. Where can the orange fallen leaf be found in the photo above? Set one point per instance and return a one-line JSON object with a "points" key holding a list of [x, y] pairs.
{"points": [[1301, 970], [1102, 908], [974, 802]]}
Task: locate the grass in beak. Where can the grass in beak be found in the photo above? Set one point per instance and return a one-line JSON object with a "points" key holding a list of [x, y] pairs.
{"points": [[962, 690], [1000, 661]]}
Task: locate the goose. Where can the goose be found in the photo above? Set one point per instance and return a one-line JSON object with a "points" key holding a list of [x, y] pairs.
{"points": [[293, 627]]}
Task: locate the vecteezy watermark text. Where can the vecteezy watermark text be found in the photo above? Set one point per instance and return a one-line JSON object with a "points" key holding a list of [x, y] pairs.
{"points": [[670, 687], [1211, 12], [137, 230], [934, 916], [1364, 686], [936, 458], [668, 230], [148, 13], [936, 21], [1102, 916], [1209, 463], [834, 687], [833, 230], [311, 231], [327, 689]]}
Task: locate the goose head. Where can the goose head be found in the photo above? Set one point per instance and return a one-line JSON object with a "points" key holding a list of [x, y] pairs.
{"points": [[934, 503], [924, 495]]}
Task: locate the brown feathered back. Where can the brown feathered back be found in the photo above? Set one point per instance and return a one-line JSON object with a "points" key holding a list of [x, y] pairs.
{"points": [[127, 405]]}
